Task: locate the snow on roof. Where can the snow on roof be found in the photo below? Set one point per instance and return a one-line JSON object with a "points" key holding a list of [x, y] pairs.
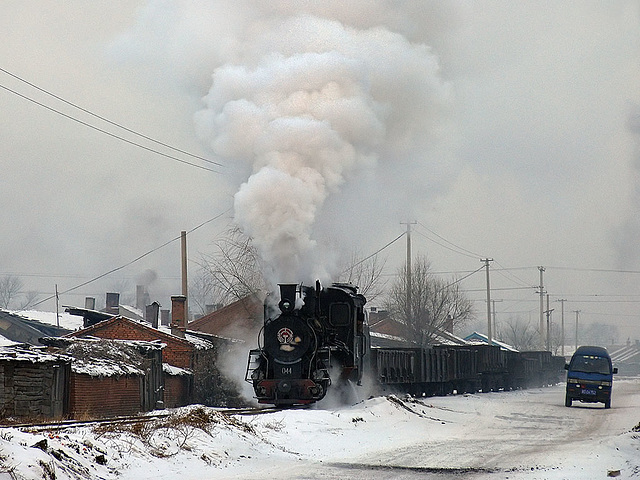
{"points": [[28, 353], [5, 342], [66, 320], [100, 357], [173, 370], [479, 338]]}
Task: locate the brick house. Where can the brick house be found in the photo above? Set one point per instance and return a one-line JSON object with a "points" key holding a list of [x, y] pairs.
{"points": [[110, 377], [189, 359]]}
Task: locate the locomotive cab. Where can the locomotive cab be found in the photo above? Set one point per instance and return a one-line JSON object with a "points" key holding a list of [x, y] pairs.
{"points": [[315, 335]]}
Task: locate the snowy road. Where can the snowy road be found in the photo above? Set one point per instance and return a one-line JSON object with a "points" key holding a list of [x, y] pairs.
{"points": [[517, 435], [523, 428]]}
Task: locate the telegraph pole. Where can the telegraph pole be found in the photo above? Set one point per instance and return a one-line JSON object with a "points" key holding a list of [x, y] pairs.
{"points": [[183, 256], [562, 300], [577, 312], [541, 292], [548, 313], [486, 266], [408, 300], [495, 327], [57, 307]]}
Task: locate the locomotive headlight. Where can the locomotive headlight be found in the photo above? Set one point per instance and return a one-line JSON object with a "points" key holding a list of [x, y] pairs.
{"points": [[286, 305]]}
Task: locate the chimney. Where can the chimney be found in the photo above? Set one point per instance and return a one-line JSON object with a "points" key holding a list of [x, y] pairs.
{"points": [[178, 315], [165, 317], [90, 303], [151, 314], [141, 300], [113, 303], [448, 325]]}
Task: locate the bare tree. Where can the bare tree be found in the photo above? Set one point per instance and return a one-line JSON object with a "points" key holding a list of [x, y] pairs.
{"points": [[366, 274], [205, 290], [10, 287], [435, 303], [234, 270], [520, 334], [30, 298]]}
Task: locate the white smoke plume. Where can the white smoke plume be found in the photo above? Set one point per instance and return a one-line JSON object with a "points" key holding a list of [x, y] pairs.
{"points": [[317, 103], [305, 99]]}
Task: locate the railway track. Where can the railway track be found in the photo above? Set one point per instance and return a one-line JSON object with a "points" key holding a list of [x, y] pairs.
{"points": [[132, 419]]}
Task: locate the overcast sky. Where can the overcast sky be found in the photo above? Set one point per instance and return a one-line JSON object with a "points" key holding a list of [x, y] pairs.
{"points": [[510, 129]]}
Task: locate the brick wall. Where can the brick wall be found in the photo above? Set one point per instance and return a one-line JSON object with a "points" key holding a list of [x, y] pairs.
{"points": [[176, 390], [104, 396]]}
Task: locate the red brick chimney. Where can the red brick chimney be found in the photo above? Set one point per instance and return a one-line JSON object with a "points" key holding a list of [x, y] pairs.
{"points": [[178, 315]]}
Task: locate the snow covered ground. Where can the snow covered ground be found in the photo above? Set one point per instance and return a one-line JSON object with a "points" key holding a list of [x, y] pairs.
{"points": [[522, 435]]}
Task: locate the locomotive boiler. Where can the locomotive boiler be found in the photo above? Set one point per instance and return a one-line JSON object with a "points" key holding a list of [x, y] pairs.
{"points": [[315, 337]]}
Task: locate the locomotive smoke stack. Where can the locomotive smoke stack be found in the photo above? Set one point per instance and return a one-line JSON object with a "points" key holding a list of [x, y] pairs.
{"points": [[287, 296]]}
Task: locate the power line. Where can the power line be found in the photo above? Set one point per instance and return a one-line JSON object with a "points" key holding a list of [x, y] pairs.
{"points": [[466, 276], [513, 277], [456, 248], [375, 253], [104, 119], [132, 261], [605, 270], [130, 142]]}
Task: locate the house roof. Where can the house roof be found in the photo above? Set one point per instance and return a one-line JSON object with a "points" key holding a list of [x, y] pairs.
{"points": [[239, 319], [18, 328], [29, 353], [482, 338], [101, 357], [161, 334]]}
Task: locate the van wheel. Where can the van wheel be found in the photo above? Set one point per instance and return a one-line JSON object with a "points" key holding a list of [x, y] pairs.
{"points": [[607, 403], [567, 401]]}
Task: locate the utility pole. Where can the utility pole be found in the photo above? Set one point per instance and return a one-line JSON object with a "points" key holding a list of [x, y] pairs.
{"points": [[57, 307], [408, 308], [541, 292], [562, 300], [495, 328], [577, 312], [548, 313], [486, 266], [183, 252]]}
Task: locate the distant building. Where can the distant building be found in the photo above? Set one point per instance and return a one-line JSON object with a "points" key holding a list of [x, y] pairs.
{"points": [[21, 329], [477, 337], [242, 320]]}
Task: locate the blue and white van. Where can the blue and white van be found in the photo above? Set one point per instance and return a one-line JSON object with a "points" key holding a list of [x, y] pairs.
{"points": [[590, 376]]}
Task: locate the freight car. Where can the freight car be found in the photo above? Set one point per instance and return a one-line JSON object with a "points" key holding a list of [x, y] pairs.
{"points": [[319, 335]]}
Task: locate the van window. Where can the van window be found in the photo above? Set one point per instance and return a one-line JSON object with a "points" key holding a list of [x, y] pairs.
{"points": [[590, 364]]}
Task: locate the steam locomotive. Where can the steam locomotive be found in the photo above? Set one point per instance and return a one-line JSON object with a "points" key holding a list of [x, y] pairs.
{"points": [[319, 335], [315, 335]]}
